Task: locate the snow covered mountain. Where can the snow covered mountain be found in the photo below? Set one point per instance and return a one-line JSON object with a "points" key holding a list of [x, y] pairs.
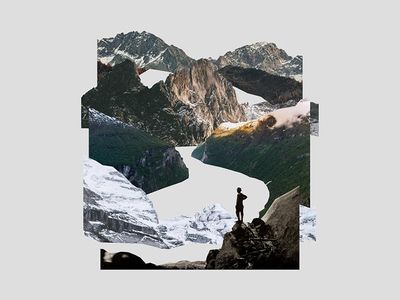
{"points": [[117, 211], [145, 49], [207, 226], [264, 56], [307, 224]]}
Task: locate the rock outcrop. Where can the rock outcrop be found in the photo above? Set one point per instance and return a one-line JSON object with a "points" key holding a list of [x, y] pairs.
{"points": [[202, 96], [283, 218], [249, 246], [268, 243]]}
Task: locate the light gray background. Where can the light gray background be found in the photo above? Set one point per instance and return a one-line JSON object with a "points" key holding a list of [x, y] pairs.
{"points": [[351, 68]]}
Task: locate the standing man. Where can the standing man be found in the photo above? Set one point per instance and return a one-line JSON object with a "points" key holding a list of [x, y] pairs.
{"points": [[239, 204]]}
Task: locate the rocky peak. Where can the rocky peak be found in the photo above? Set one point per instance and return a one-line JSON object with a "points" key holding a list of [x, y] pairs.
{"points": [[206, 92], [264, 56], [122, 78], [145, 49]]}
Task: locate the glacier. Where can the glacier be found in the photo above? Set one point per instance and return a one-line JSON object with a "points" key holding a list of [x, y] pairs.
{"points": [[116, 211]]}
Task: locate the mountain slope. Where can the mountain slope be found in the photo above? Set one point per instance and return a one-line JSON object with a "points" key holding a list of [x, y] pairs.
{"points": [[264, 56], [145, 49], [184, 110], [146, 161], [274, 148], [114, 210]]}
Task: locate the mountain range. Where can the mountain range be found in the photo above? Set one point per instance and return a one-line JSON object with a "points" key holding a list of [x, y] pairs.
{"points": [[183, 110], [143, 48], [151, 52]]}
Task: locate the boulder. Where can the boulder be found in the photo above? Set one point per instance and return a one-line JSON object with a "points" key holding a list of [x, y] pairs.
{"points": [[283, 218]]}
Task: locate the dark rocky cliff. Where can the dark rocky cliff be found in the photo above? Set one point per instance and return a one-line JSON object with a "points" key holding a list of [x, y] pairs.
{"points": [[144, 160], [278, 91]]}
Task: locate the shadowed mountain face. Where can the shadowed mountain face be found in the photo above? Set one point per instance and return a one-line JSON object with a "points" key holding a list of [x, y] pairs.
{"points": [[183, 111], [264, 56], [278, 91], [147, 162], [145, 49]]}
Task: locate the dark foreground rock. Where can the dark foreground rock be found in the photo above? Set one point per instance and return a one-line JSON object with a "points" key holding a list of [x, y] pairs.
{"points": [[248, 246], [283, 218], [123, 260], [268, 243], [129, 261]]}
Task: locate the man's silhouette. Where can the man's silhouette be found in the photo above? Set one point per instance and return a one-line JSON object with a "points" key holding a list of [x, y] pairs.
{"points": [[239, 204]]}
